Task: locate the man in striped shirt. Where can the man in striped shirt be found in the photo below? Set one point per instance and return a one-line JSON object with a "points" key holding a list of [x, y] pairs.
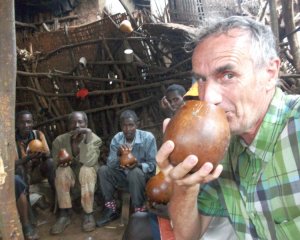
{"points": [[257, 185]]}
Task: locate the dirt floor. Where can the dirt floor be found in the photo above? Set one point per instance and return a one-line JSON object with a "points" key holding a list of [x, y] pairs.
{"points": [[46, 219]]}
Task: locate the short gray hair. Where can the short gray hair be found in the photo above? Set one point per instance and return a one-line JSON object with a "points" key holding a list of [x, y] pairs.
{"points": [[80, 112], [263, 44], [128, 114]]}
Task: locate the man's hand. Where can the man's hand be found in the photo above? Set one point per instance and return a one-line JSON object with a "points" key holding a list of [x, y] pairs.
{"points": [[64, 163], [79, 133], [166, 107], [180, 174], [127, 159], [129, 166], [34, 156]]}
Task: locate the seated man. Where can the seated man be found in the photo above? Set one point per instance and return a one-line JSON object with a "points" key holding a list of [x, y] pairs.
{"points": [[131, 177], [84, 148], [33, 167], [23, 209], [172, 100]]}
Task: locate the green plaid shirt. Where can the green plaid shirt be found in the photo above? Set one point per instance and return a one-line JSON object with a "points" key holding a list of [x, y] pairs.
{"points": [[259, 189]]}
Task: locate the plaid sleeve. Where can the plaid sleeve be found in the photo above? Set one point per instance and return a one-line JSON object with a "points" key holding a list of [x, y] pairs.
{"points": [[209, 202]]}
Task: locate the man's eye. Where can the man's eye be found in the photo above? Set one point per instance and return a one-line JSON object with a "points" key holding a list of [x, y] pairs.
{"points": [[198, 79], [228, 76]]}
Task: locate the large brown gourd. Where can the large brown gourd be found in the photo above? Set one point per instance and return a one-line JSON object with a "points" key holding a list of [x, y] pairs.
{"points": [[201, 129], [158, 190], [127, 158], [36, 145]]}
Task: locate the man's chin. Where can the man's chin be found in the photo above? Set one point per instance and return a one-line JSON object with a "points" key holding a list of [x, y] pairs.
{"points": [[26, 132], [129, 137]]}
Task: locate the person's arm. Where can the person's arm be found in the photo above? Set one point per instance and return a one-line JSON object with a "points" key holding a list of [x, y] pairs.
{"points": [[46, 152], [54, 151], [166, 108], [26, 157], [113, 158], [151, 151], [90, 150], [21, 161], [184, 212]]}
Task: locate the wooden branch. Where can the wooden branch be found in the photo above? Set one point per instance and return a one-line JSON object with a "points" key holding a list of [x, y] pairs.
{"points": [[117, 69], [98, 92], [292, 32], [140, 101], [62, 76], [22, 104], [288, 13], [28, 25], [173, 67], [263, 11], [111, 62], [133, 22], [290, 76], [274, 20], [94, 41], [111, 19], [62, 19], [34, 25]]}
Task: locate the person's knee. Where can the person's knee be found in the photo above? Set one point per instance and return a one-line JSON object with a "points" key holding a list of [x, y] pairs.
{"points": [[62, 174], [135, 174], [103, 171], [50, 164], [20, 186], [87, 175]]}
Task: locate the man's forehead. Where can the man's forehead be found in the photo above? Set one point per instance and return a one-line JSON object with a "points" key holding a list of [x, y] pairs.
{"points": [[173, 93], [25, 116], [77, 116], [128, 119]]}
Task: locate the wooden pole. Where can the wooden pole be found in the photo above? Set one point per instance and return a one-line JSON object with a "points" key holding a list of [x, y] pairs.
{"points": [[10, 226], [288, 16], [274, 19]]}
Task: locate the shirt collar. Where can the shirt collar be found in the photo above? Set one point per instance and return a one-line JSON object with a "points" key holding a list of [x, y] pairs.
{"points": [[137, 137]]}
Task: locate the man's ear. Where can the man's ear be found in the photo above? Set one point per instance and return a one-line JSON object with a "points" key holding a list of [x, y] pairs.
{"points": [[272, 73]]}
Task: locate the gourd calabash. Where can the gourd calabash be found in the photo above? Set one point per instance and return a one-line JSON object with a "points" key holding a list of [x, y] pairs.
{"points": [[125, 26], [64, 157], [158, 189], [36, 145], [201, 129], [63, 154], [127, 158]]}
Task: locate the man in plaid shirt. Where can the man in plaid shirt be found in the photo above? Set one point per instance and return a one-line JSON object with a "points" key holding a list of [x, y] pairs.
{"points": [[257, 185]]}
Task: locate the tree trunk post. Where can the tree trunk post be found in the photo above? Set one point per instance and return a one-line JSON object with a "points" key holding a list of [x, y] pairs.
{"points": [[10, 226]]}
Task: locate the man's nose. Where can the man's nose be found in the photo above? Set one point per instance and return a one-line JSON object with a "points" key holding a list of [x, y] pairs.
{"points": [[77, 124], [211, 93]]}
